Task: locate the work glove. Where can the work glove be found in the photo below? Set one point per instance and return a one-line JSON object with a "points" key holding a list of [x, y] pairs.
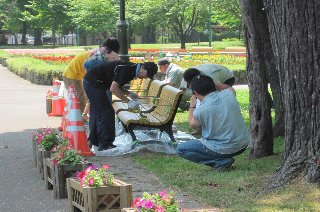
{"points": [[133, 105], [133, 96]]}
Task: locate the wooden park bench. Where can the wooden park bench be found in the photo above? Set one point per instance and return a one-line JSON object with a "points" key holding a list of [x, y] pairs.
{"points": [[234, 51], [139, 86], [201, 50], [146, 101], [160, 118], [170, 49]]}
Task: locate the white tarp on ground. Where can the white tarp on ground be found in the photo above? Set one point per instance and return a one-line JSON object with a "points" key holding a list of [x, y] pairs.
{"points": [[150, 139]]}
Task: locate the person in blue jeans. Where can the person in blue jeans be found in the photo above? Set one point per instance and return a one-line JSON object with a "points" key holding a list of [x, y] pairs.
{"points": [[99, 84], [224, 132]]}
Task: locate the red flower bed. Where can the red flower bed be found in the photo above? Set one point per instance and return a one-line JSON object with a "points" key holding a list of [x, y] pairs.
{"points": [[55, 59]]}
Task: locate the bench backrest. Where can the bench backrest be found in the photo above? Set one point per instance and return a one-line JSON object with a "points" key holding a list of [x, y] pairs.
{"points": [[201, 49], [135, 84], [168, 103], [144, 86], [154, 91]]}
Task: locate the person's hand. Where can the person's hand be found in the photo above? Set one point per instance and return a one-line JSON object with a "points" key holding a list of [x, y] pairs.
{"points": [[133, 95], [112, 56], [193, 101], [133, 105]]}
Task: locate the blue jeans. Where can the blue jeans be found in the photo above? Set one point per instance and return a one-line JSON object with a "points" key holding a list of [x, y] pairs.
{"points": [[195, 151], [102, 116]]}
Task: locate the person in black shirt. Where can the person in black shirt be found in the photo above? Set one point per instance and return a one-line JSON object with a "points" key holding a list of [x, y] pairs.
{"points": [[100, 83]]}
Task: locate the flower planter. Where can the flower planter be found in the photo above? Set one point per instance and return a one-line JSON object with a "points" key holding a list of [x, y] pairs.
{"points": [[103, 199], [41, 155], [48, 169], [186, 210], [61, 173]]}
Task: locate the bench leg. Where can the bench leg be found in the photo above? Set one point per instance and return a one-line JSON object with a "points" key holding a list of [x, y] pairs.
{"points": [[130, 129], [168, 130]]}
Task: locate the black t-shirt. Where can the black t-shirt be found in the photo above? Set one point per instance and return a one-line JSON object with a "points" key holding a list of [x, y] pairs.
{"points": [[104, 74]]}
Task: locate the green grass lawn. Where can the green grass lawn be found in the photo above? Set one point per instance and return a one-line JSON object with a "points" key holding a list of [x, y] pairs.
{"points": [[242, 189]]}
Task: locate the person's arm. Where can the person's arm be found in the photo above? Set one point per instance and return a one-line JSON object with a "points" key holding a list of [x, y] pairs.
{"points": [[193, 122], [221, 86], [116, 90]]}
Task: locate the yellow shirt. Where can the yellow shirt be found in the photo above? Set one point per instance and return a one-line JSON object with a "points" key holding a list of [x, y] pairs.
{"points": [[75, 69]]}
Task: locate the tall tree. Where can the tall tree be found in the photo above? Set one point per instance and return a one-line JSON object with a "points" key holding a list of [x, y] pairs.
{"points": [[294, 29], [227, 13], [259, 61], [49, 14], [12, 18], [183, 16], [142, 18], [97, 16]]}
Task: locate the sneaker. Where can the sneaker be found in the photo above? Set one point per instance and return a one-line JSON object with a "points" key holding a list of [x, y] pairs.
{"points": [[225, 167], [100, 148]]}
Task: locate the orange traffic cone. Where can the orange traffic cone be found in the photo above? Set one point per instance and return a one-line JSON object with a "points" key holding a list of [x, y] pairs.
{"points": [[57, 102], [76, 131], [71, 97], [56, 87]]}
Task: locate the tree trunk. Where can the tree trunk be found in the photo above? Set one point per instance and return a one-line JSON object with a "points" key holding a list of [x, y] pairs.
{"points": [[257, 41], [24, 32], [294, 28], [37, 36]]}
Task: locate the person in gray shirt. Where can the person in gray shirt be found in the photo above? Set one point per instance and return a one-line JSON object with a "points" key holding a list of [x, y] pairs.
{"points": [[224, 132]]}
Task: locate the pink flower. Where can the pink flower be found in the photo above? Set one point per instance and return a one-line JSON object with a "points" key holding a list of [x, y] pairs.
{"points": [[91, 181], [55, 162], [148, 204], [105, 166], [159, 209]]}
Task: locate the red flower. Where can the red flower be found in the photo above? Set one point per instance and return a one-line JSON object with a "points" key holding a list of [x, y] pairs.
{"points": [[135, 202]]}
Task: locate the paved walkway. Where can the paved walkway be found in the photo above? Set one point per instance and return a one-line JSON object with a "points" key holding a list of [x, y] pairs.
{"points": [[22, 110]]}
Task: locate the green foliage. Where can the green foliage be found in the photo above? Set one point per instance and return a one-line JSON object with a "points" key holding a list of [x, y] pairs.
{"points": [[20, 64], [227, 13], [94, 16], [49, 141], [65, 154]]}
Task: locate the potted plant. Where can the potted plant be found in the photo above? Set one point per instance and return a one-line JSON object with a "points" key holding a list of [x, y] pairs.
{"points": [[64, 162], [161, 201], [96, 189], [43, 140]]}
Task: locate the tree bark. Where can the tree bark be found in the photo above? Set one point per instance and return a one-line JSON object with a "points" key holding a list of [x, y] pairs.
{"points": [[37, 36], [258, 63], [295, 34], [24, 33]]}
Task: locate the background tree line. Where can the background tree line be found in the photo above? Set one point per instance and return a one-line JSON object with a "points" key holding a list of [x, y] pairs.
{"points": [[155, 20]]}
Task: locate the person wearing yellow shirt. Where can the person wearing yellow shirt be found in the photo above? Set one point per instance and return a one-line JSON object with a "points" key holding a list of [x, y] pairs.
{"points": [[75, 71]]}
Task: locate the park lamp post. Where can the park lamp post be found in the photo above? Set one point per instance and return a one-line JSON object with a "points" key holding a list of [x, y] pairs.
{"points": [[209, 25], [122, 31]]}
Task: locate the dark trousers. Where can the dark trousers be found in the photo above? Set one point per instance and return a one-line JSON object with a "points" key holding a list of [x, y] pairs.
{"points": [[102, 116]]}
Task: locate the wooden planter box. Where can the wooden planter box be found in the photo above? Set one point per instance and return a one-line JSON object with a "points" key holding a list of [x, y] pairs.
{"points": [[187, 210], [48, 170], [41, 156], [103, 199], [55, 176]]}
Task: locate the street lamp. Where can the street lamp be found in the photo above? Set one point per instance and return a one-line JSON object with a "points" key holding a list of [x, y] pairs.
{"points": [[122, 31], [209, 25]]}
